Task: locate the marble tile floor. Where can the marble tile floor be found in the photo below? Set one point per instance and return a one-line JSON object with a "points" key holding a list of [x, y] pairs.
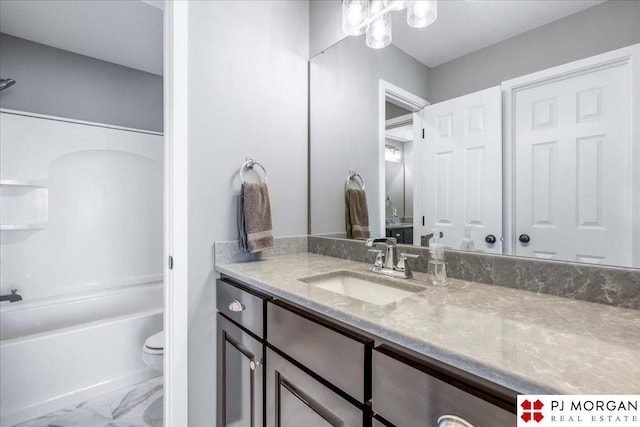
{"points": [[135, 406]]}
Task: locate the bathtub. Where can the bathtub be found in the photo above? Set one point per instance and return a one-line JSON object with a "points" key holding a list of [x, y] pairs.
{"points": [[62, 352]]}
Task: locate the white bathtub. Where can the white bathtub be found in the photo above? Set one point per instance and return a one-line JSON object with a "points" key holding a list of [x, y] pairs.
{"points": [[58, 353]]}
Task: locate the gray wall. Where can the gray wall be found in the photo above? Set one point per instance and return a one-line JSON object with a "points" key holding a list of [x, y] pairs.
{"points": [[325, 25], [61, 83], [611, 25], [344, 124], [247, 97]]}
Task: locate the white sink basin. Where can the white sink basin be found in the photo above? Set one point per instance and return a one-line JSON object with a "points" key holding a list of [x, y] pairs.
{"points": [[362, 287]]}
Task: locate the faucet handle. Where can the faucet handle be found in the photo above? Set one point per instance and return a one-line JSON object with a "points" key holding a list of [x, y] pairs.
{"points": [[404, 266], [379, 262]]}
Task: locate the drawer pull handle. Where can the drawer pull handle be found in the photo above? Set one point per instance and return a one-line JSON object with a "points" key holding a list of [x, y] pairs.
{"points": [[453, 421], [236, 306]]}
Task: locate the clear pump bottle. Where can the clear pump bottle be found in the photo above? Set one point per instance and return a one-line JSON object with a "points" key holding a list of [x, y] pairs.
{"points": [[436, 269], [467, 241]]}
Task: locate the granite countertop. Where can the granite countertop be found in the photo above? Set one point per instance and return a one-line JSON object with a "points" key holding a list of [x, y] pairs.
{"points": [[529, 342]]}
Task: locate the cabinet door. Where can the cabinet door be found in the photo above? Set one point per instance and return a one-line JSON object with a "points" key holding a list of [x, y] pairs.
{"points": [[240, 377], [296, 399]]}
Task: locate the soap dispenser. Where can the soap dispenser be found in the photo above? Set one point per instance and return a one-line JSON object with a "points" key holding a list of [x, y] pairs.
{"points": [[467, 241], [436, 269]]}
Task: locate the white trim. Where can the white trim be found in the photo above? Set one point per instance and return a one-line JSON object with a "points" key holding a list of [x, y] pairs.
{"points": [[176, 318], [75, 121], [411, 102], [630, 56]]}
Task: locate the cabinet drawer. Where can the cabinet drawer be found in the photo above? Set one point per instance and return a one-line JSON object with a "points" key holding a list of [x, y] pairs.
{"points": [[339, 356], [408, 395], [296, 399], [242, 307]]}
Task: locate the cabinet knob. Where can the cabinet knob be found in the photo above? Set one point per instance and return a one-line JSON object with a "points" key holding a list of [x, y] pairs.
{"points": [[453, 421], [524, 238], [254, 364], [490, 239], [236, 306]]}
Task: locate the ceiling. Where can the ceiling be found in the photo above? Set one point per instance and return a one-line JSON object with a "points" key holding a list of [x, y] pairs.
{"points": [[465, 26], [127, 33]]}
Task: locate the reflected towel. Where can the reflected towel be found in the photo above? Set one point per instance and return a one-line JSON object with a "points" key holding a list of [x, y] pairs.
{"points": [[254, 217], [357, 214]]}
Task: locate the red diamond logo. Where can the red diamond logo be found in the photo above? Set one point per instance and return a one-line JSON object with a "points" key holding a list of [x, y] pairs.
{"points": [[532, 411]]}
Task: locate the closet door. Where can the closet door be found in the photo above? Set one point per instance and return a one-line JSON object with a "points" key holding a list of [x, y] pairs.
{"points": [[462, 168], [572, 152]]}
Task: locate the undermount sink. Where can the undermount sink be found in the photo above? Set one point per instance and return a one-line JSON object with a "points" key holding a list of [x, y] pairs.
{"points": [[378, 291]]}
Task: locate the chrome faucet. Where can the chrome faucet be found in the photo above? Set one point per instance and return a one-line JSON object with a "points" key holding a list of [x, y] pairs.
{"points": [[12, 297], [426, 238], [387, 261]]}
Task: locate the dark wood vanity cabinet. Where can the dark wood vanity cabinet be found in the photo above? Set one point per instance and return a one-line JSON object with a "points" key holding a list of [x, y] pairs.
{"points": [[279, 365], [403, 235], [240, 356], [411, 392], [318, 373]]}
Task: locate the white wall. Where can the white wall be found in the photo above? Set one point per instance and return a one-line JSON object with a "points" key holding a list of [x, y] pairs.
{"points": [[344, 119], [611, 25], [247, 97]]}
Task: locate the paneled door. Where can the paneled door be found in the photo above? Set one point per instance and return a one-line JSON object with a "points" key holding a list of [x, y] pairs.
{"points": [[572, 166], [462, 169]]}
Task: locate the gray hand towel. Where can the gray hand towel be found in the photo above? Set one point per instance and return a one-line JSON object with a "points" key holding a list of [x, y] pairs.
{"points": [[254, 217], [357, 214]]}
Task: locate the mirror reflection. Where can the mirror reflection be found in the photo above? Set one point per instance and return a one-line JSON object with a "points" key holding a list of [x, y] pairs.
{"points": [[529, 144]]}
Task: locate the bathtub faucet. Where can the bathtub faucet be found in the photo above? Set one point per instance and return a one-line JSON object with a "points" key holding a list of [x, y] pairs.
{"points": [[12, 297]]}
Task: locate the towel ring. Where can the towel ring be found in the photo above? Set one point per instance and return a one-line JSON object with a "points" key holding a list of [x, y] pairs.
{"points": [[249, 164], [354, 176]]}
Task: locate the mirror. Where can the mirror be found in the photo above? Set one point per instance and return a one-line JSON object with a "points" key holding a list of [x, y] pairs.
{"points": [[352, 89]]}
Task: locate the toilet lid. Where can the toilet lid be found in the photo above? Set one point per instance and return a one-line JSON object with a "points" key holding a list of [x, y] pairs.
{"points": [[155, 342]]}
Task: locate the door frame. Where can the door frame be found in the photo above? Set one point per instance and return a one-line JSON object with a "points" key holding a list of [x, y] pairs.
{"points": [[415, 104], [176, 303], [629, 55]]}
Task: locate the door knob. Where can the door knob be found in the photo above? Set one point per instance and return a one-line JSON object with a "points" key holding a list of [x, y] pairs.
{"points": [[490, 239], [524, 238]]}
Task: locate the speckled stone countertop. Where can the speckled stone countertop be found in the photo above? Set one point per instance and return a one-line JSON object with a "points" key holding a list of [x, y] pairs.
{"points": [[529, 342]]}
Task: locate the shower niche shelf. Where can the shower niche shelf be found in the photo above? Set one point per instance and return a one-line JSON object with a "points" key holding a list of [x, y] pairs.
{"points": [[25, 204]]}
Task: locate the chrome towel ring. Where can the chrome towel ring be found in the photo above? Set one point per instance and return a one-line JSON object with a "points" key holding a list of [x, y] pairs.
{"points": [[354, 176], [250, 164]]}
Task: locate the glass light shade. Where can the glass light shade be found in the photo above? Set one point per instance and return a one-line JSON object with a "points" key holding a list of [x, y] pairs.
{"points": [[395, 4], [421, 13], [379, 30], [354, 15]]}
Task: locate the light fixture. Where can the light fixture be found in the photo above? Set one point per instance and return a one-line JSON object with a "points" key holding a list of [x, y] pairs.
{"points": [[354, 16], [392, 154], [373, 17], [379, 30], [422, 13]]}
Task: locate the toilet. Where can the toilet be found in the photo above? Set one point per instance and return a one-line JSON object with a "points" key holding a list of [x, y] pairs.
{"points": [[153, 351]]}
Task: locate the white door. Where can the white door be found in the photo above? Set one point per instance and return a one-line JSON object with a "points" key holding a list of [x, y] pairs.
{"points": [[462, 173], [572, 170]]}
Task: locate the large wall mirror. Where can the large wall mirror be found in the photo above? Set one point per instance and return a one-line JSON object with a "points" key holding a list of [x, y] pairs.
{"points": [[514, 122]]}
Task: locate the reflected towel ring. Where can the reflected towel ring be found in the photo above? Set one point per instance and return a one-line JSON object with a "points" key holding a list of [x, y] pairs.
{"points": [[353, 175], [249, 164]]}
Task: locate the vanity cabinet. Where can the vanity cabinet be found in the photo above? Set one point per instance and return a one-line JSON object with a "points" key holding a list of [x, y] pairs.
{"points": [[412, 392], [316, 370], [280, 365], [240, 356], [295, 398], [403, 235]]}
